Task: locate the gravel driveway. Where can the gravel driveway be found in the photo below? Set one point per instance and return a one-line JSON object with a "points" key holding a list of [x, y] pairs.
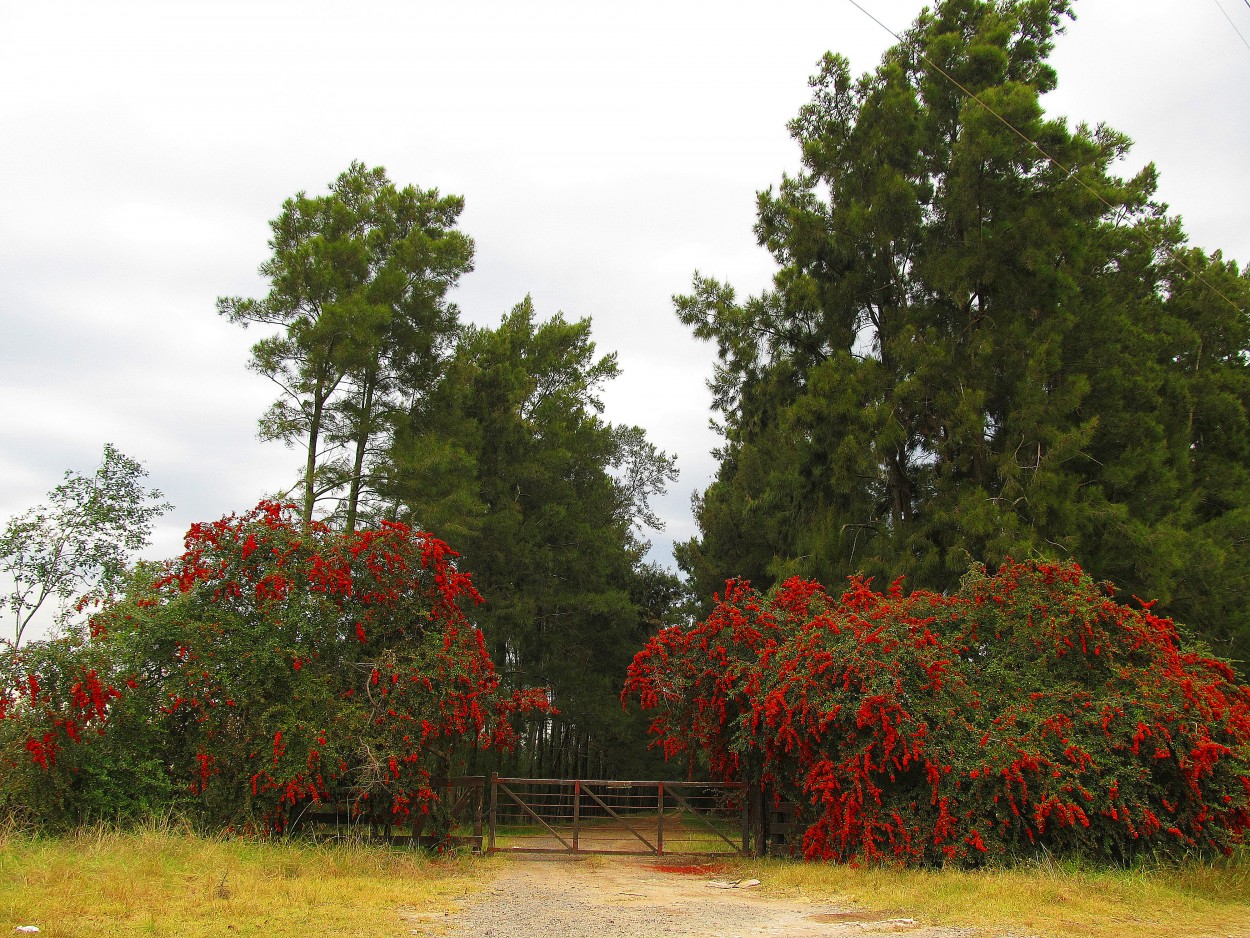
{"points": [[606, 897]]}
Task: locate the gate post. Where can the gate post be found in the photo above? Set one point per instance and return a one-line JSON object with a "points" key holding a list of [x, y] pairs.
{"points": [[577, 810], [746, 819], [659, 826], [494, 804]]}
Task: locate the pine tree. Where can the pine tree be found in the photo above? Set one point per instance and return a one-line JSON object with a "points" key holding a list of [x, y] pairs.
{"points": [[980, 342], [358, 285], [509, 459]]}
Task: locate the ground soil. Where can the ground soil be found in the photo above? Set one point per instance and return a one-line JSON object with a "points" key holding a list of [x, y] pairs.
{"points": [[567, 896]]}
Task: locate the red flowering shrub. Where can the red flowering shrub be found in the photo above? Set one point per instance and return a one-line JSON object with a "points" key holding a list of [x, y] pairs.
{"points": [[287, 667], [54, 700], [1026, 711]]}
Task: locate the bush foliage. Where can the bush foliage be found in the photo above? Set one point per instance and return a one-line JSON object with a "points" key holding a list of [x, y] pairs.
{"points": [[269, 668], [1025, 712]]}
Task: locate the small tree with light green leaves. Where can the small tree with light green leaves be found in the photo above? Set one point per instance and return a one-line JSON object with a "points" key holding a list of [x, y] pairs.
{"points": [[78, 544]]}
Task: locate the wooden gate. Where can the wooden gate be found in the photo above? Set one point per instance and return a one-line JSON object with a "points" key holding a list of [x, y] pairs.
{"points": [[547, 815]]}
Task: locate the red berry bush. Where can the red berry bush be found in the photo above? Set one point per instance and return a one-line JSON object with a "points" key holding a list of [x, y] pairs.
{"points": [[285, 667], [1028, 711]]}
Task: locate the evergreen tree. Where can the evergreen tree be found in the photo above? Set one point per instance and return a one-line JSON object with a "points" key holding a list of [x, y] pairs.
{"points": [[509, 459], [980, 342], [358, 285]]}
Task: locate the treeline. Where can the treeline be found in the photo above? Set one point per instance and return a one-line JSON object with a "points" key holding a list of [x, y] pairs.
{"points": [[491, 440], [981, 342]]}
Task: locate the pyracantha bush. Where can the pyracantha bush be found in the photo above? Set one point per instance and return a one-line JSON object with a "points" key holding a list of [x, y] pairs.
{"points": [[1028, 711], [56, 698], [291, 666]]}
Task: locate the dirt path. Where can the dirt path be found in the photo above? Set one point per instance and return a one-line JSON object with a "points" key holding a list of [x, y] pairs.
{"points": [[607, 897]]}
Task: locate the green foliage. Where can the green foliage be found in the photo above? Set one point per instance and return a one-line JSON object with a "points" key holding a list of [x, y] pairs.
{"points": [[77, 546], [58, 766], [509, 459], [972, 352], [1024, 714], [270, 668], [358, 284]]}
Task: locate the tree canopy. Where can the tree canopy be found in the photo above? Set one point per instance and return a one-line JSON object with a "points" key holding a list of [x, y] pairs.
{"points": [[358, 284], [980, 342], [509, 458], [81, 541]]}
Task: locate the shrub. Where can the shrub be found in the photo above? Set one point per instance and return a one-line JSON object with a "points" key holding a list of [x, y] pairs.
{"points": [[57, 764], [1027, 711], [272, 667]]}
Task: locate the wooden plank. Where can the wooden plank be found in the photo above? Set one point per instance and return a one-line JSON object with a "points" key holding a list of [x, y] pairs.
{"points": [[594, 850], [659, 820], [746, 823], [617, 782], [494, 788]]}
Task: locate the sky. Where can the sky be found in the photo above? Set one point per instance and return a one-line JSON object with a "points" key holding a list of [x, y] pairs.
{"points": [[605, 152]]}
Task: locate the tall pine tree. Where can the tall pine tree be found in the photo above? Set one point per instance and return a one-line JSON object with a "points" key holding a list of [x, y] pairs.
{"points": [[509, 459], [358, 292], [980, 342]]}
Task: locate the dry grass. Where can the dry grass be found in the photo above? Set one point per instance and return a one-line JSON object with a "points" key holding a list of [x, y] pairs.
{"points": [[1207, 899], [167, 882]]}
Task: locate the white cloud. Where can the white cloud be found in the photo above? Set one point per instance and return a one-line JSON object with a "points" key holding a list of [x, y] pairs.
{"points": [[605, 152]]}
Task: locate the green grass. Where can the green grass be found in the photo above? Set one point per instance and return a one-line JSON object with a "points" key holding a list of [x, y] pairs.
{"points": [[1207, 899], [163, 881], [166, 882]]}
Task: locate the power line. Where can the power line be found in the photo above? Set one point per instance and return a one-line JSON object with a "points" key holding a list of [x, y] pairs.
{"points": [[1070, 173], [1232, 24]]}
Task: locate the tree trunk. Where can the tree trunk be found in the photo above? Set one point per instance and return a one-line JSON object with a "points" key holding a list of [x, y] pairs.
{"points": [[310, 466], [362, 438]]}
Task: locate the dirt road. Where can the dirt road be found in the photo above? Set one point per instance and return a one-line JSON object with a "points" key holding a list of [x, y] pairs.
{"points": [[607, 897]]}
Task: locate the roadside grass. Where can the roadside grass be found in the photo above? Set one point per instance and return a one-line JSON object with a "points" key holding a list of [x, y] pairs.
{"points": [[163, 881], [1046, 899]]}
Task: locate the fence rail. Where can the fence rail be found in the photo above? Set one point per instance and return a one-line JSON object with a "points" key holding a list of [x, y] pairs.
{"points": [[551, 815], [554, 815], [463, 796]]}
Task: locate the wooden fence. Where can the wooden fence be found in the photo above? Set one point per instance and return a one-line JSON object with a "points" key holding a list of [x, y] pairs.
{"points": [[547, 815], [550, 815]]}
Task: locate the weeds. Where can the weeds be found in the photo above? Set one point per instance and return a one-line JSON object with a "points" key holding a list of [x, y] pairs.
{"points": [[166, 881]]}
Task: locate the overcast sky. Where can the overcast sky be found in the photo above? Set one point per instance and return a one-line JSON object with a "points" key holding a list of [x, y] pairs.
{"points": [[606, 152]]}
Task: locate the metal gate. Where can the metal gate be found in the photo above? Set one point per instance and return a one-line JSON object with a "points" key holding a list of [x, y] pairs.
{"points": [[547, 815]]}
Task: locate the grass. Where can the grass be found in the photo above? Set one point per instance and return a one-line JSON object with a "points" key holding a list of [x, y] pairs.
{"points": [[1207, 899], [168, 882], [162, 881]]}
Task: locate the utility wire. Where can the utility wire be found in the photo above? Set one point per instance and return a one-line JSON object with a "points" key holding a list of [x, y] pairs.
{"points": [[1232, 24], [1070, 173]]}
